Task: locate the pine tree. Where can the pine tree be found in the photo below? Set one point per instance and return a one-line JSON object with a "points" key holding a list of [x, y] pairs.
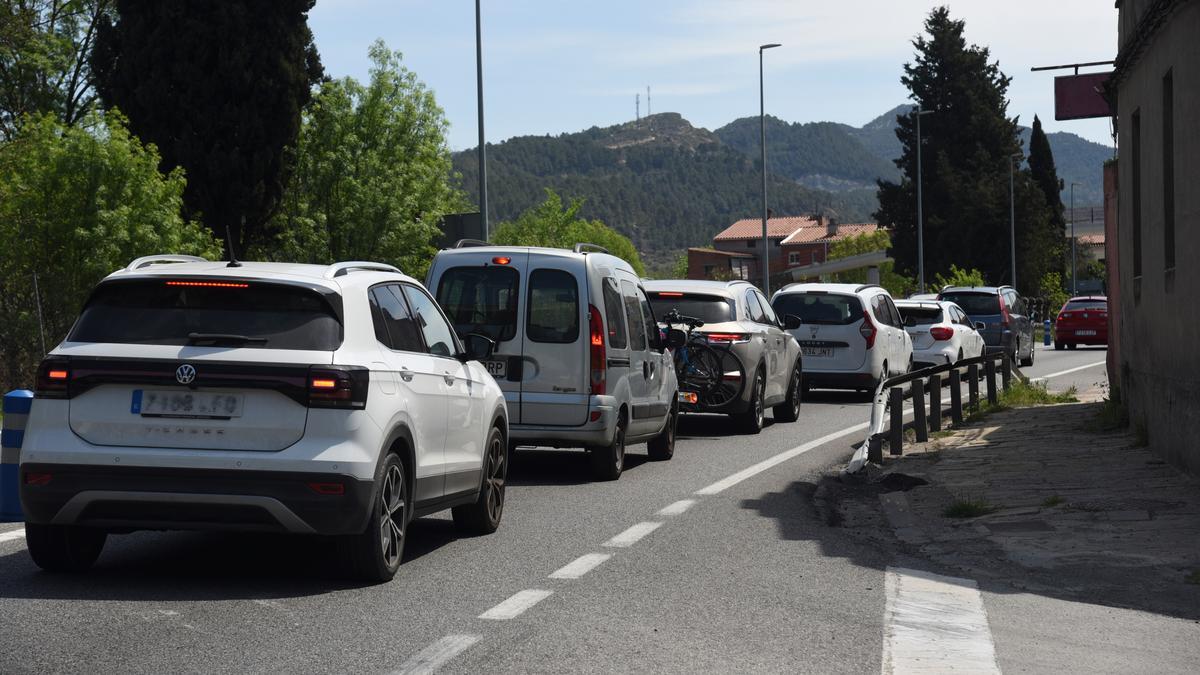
{"points": [[218, 86], [969, 141]]}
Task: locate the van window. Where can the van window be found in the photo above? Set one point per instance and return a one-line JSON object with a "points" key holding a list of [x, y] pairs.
{"points": [[614, 315], [438, 336], [633, 314], [394, 325], [553, 307], [481, 300], [652, 335], [820, 308]]}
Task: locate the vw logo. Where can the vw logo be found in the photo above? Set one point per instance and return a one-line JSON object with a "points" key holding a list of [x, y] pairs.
{"points": [[185, 374], [812, 331]]}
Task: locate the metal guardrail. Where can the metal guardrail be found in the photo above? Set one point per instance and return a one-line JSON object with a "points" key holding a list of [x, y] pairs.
{"points": [[888, 403]]}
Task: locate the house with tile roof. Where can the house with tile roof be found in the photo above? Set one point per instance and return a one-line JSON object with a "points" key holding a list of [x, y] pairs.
{"points": [[795, 241]]}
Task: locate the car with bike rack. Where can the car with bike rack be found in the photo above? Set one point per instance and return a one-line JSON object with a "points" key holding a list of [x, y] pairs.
{"points": [[735, 355]]}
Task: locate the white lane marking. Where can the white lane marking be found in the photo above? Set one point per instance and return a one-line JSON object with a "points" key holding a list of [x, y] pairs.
{"points": [[935, 624], [18, 533], [677, 508], [580, 566], [633, 534], [1067, 372], [516, 605], [726, 483], [436, 655]]}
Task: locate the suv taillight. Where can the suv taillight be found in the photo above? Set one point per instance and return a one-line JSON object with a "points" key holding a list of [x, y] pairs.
{"points": [[53, 378], [867, 329], [338, 387], [727, 337], [599, 370], [941, 332]]}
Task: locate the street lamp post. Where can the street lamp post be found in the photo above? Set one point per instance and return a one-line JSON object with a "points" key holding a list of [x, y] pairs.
{"points": [[762, 132], [1074, 292], [1012, 213], [920, 208], [483, 208]]}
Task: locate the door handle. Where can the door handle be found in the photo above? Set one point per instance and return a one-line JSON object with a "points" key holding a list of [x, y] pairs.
{"points": [[449, 378], [406, 374], [646, 369]]}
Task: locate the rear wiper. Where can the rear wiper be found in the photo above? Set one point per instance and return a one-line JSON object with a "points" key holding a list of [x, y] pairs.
{"points": [[224, 337]]}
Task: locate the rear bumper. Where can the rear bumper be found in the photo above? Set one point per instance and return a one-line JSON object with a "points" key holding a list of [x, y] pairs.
{"points": [[142, 498], [599, 432], [925, 358], [1071, 335], [831, 380]]}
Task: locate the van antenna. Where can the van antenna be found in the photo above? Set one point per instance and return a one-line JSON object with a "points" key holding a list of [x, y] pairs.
{"points": [[233, 261]]}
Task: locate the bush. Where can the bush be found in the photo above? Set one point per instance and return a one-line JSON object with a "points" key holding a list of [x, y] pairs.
{"points": [[958, 277]]}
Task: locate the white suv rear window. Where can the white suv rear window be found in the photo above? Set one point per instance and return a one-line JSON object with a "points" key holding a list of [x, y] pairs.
{"points": [[820, 308]]}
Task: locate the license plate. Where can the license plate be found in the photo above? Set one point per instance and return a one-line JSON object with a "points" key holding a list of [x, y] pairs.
{"points": [[819, 352], [1085, 332], [203, 405], [496, 368]]}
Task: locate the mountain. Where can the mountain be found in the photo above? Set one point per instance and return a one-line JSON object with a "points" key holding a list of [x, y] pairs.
{"points": [[660, 181]]}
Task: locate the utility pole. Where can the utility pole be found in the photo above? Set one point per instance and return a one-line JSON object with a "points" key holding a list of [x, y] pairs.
{"points": [[1012, 212], [483, 207], [762, 133], [1074, 291]]}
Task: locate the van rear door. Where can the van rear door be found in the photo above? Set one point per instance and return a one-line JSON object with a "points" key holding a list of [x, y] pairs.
{"points": [[555, 371]]}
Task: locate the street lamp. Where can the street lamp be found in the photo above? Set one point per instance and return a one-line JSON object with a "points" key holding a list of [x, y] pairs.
{"points": [[1074, 292], [920, 208], [1012, 212], [762, 132], [483, 208]]}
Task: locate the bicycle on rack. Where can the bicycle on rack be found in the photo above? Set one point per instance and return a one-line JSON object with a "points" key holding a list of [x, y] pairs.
{"points": [[713, 375]]}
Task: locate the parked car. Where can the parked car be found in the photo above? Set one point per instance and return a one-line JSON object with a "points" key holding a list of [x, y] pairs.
{"points": [[941, 332], [1082, 321], [1006, 319], [331, 400], [738, 318], [579, 354], [851, 336]]}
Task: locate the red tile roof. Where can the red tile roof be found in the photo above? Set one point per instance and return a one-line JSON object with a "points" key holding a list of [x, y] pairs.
{"points": [[751, 228], [727, 254], [1090, 239], [816, 234]]}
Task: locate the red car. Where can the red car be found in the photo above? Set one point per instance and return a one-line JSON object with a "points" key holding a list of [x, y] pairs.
{"points": [[1082, 321]]}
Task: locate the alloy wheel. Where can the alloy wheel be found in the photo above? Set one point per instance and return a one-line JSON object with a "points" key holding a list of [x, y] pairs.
{"points": [[497, 472], [392, 508]]}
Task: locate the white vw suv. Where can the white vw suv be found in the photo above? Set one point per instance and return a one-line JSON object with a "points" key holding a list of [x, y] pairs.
{"points": [[332, 400]]}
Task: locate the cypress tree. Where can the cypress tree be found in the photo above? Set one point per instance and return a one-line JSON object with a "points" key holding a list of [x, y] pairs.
{"points": [[218, 86], [1045, 175]]}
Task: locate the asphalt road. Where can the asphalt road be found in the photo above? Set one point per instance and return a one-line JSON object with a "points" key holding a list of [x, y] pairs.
{"points": [[738, 573]]}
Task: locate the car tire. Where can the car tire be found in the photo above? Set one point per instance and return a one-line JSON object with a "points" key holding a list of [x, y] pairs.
{"points": [[608, 461], [1025, 363], [1058, 346], [662, 447], [483, 515], [1070, 345], [64, 548], [751, 421], [960, 356], [375, 554], [789, 410]]}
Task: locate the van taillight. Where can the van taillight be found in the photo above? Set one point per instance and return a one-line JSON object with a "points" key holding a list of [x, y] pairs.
{"points": [[338, 387], [867, 329], [599, 371], [54, 378]]}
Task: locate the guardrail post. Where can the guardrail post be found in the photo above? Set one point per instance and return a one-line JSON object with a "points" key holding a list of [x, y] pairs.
{"points": [[1006, 372], [956, 397], [918, 399], [16, 411], [935, 402], [1046, 332], [875, 449], [896, 403], [989, 368], [973, 387]]}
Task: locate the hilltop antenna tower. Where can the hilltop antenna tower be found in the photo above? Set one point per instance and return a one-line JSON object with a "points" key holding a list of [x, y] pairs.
{"points": [[647, 100], [637, 107]]}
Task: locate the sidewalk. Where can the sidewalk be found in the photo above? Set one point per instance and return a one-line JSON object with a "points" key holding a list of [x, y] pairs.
{"points": [[1053, 506]]}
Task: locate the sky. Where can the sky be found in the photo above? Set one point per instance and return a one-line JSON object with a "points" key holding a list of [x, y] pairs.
{"points": [[560, 66]]}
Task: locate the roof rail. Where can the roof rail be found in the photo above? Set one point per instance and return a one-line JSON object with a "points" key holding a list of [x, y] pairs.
{"points": [[470, 243], [864, 287], [340, 269], [148, 260], [583, 247]]}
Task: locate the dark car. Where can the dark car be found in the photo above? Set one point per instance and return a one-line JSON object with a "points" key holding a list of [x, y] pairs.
{"points": [[1000, 315], [1082, 321]]}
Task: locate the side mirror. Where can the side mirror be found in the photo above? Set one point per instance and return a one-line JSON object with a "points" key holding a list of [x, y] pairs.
{"points": [[791, 322], [979, 325], [477, 347], [676, 338]]}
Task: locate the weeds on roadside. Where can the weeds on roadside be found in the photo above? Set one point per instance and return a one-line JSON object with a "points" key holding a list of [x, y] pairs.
{"points": [[1051, 502], [1022, 394], [969, 507], [1113, 414]]}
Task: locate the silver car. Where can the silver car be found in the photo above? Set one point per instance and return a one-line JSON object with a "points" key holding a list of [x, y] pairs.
{"points": [[738, 317]]}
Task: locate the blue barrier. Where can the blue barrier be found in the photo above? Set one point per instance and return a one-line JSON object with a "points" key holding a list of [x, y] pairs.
{"points": [[1046, 334], [16, 412]]}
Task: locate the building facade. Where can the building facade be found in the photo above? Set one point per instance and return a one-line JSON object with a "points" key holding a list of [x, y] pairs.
{"points": [[1156, 91], [795, 242]]}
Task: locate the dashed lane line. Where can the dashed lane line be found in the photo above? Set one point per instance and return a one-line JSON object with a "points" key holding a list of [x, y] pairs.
{"points": [[429, 659], [1067, 372], [516, 605], [580, 566], [677, 508], [633, 535], [12, 535], [934, 624], [754, 470]]}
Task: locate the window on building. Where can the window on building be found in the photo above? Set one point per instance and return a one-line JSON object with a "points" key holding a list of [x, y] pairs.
{"points": [[1135, 188], [1168, 155], [793, 258]]}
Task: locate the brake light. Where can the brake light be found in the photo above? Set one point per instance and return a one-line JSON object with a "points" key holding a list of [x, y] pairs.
{"points": [[328, 489], [941, 333], [501, 260], [867, 329], [727, 337], [53, 378], [669, 294], [338, 387], [38, 478], [208, 284], [1004, 317], [599, 357]]}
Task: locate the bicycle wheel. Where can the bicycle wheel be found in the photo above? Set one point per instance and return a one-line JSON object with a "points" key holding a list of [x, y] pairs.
{"points": [[726, 375]]}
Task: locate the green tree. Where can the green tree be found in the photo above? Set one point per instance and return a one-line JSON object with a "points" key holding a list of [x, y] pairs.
{"points": [[218, 86], [958, 277], [897, 284], [44, 49], [679, 268], [373, 174], [968, 144], [550, 224], [1046, 240], [77, 203]]}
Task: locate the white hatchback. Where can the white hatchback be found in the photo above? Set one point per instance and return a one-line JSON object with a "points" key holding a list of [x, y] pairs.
{"points": [[851, 335], [941, 332]]}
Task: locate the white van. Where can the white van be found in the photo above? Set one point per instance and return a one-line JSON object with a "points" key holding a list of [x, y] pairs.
{"points": [[579, 355]]}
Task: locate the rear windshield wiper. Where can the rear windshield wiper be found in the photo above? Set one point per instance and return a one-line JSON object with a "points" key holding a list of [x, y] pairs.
{"points": [[223, 338]]}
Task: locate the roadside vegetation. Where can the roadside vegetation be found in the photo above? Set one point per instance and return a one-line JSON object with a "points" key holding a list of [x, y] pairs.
{"points": [[969, 507], [1022, 394]]}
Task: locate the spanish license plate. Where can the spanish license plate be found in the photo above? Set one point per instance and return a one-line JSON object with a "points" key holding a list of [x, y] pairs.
{"points": [[1085, 332], [496, 368], [202, 405], [818, 352]]}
